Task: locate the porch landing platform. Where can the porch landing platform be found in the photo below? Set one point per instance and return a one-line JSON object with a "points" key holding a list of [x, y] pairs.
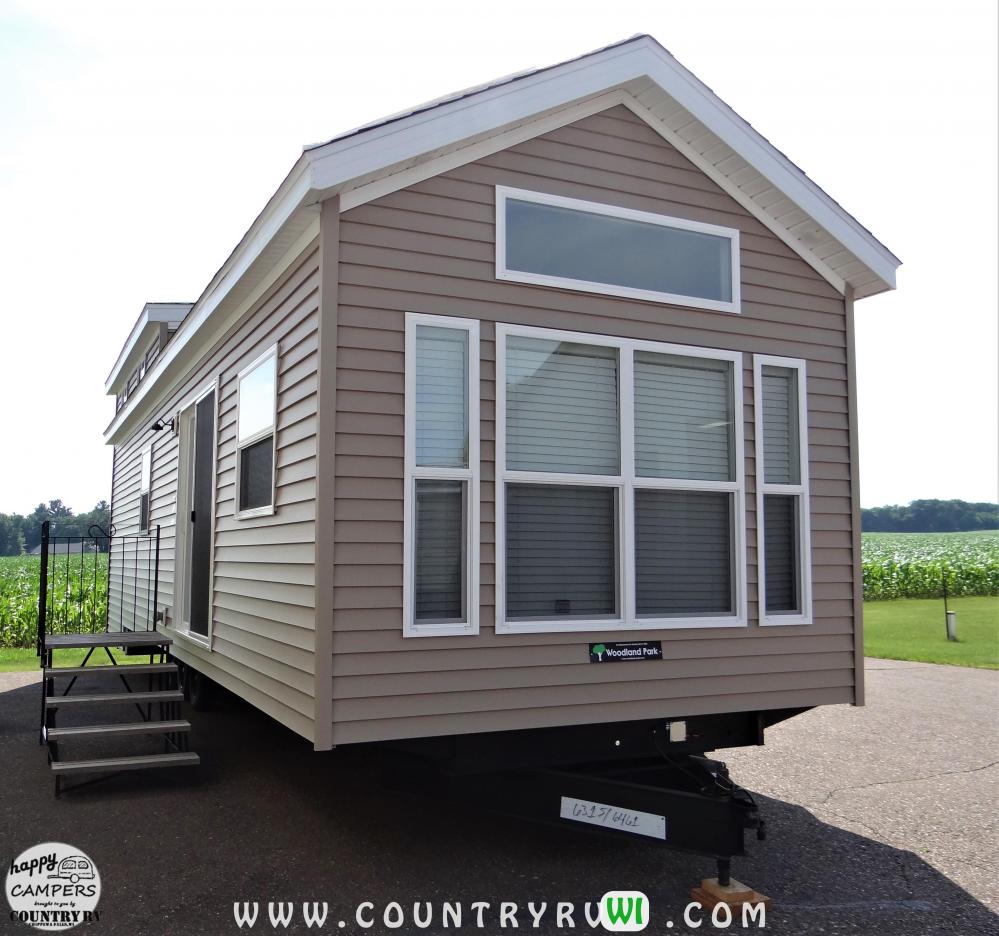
{"points": [[108, 639]]}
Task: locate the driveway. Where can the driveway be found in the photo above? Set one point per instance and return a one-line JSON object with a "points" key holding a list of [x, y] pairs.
{"points": [[882, 820]]}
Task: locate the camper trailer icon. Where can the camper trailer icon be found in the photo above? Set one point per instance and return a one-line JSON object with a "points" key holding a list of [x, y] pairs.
{"points": [[76, 868]]}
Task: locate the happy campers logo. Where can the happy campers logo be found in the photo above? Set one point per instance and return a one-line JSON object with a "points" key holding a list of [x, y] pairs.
{"points": [[53, 886]]}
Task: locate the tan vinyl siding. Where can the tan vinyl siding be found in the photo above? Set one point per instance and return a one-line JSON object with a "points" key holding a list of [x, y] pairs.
{"points": [[264, 568], [430, 249]]}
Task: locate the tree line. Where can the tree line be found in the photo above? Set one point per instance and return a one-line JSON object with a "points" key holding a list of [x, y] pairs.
{"points": [[21, 534], [931, 516]]}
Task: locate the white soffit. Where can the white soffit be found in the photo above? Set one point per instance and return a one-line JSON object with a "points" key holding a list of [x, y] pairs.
{"points": [[389, 155]]}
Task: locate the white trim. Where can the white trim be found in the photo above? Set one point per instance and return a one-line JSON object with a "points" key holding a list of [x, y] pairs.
{"points": [[503, 272], [471, 475], [626, 484], [264, 510], [800, 490], [185, 477]]}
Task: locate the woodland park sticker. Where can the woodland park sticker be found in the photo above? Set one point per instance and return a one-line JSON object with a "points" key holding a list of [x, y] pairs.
{"points": [[53, 886]]}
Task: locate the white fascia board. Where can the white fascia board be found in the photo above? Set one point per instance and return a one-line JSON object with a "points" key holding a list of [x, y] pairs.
{"points": [[483, 113], [288, 199], [423, 134]]}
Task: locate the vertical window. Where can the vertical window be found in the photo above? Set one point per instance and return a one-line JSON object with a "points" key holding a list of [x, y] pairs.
{"points": [[619, 484], [145, 486], [441, 476], [255, 420], [782, 491]]}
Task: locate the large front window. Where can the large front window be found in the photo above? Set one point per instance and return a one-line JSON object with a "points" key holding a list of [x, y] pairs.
{"points": [[619, 484]]}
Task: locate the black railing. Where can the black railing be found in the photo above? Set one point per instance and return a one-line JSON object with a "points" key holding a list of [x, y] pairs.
{"points": [[98, 582]]}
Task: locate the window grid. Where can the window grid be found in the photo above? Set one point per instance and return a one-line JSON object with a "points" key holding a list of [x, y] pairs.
{"points": [[799, 491], [470, 475], [626, 484]]}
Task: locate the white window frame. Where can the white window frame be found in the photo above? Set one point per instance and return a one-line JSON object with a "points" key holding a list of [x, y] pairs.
{"points": [[626, 484], [146, 487], [804, 616], [471, 475], [266, 510], [503, 193]]}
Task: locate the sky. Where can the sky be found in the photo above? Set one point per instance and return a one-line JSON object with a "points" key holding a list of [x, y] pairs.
{"points": [[138, 141]]}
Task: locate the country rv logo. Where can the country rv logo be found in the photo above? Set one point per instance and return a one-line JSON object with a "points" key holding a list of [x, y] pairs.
{"points": [[53, 886]]}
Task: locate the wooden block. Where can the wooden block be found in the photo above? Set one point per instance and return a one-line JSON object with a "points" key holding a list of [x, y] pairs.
{"points": [[734, 894]]}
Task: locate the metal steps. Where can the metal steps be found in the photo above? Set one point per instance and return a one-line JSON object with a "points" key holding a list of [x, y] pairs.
{"points": [[158, 704], [115, 764], [138, 698], [125, 669], [108, 639], [111, 731]]}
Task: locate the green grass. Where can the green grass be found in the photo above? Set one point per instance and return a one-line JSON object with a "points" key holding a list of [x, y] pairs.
{"points": [[914, 629], [17, 660]]}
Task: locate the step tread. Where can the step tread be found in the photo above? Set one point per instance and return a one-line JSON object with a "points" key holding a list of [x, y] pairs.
{"points": [[107, 639], [165, 695], [124, 669], [86, 731], [139, 762]]}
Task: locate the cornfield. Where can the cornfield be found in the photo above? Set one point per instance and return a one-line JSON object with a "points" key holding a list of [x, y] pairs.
{"points": [[896, 565], [77, 593], [914, 565]]}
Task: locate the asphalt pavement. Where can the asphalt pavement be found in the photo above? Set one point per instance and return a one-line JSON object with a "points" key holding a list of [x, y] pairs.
{"points": [[882, 820]]}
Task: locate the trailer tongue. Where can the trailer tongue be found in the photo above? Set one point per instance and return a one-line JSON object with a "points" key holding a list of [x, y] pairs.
{"points": [[649, 779]]}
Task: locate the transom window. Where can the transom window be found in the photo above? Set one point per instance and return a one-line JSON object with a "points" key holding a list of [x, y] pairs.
{"points": [[554, 241], [255, 451], [619, 492], [783, 532]]}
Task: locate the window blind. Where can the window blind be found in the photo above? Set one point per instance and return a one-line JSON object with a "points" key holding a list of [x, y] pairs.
{"points": [[683, 418], [561, 559], [440, 550], [561, 407], [780, 544], [781, 461], [441, 397], [683, 553]]}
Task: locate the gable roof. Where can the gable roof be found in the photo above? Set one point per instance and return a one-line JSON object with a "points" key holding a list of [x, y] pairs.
{"points": [[398, 151]]}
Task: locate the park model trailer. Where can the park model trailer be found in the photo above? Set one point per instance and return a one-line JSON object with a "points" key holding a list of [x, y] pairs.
{"points": [[520, 427]]}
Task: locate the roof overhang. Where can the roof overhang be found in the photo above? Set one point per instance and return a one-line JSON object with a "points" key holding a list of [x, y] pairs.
{"points": [[386, 156]]}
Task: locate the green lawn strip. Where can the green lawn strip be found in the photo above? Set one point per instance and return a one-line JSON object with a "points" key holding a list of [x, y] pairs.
{"points": [[17, 661], [915, 629]]}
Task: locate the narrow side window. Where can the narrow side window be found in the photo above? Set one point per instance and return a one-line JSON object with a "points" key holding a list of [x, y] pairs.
{"points": [[145, 484], [255, 422], [442, 477], [782, 491]]}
